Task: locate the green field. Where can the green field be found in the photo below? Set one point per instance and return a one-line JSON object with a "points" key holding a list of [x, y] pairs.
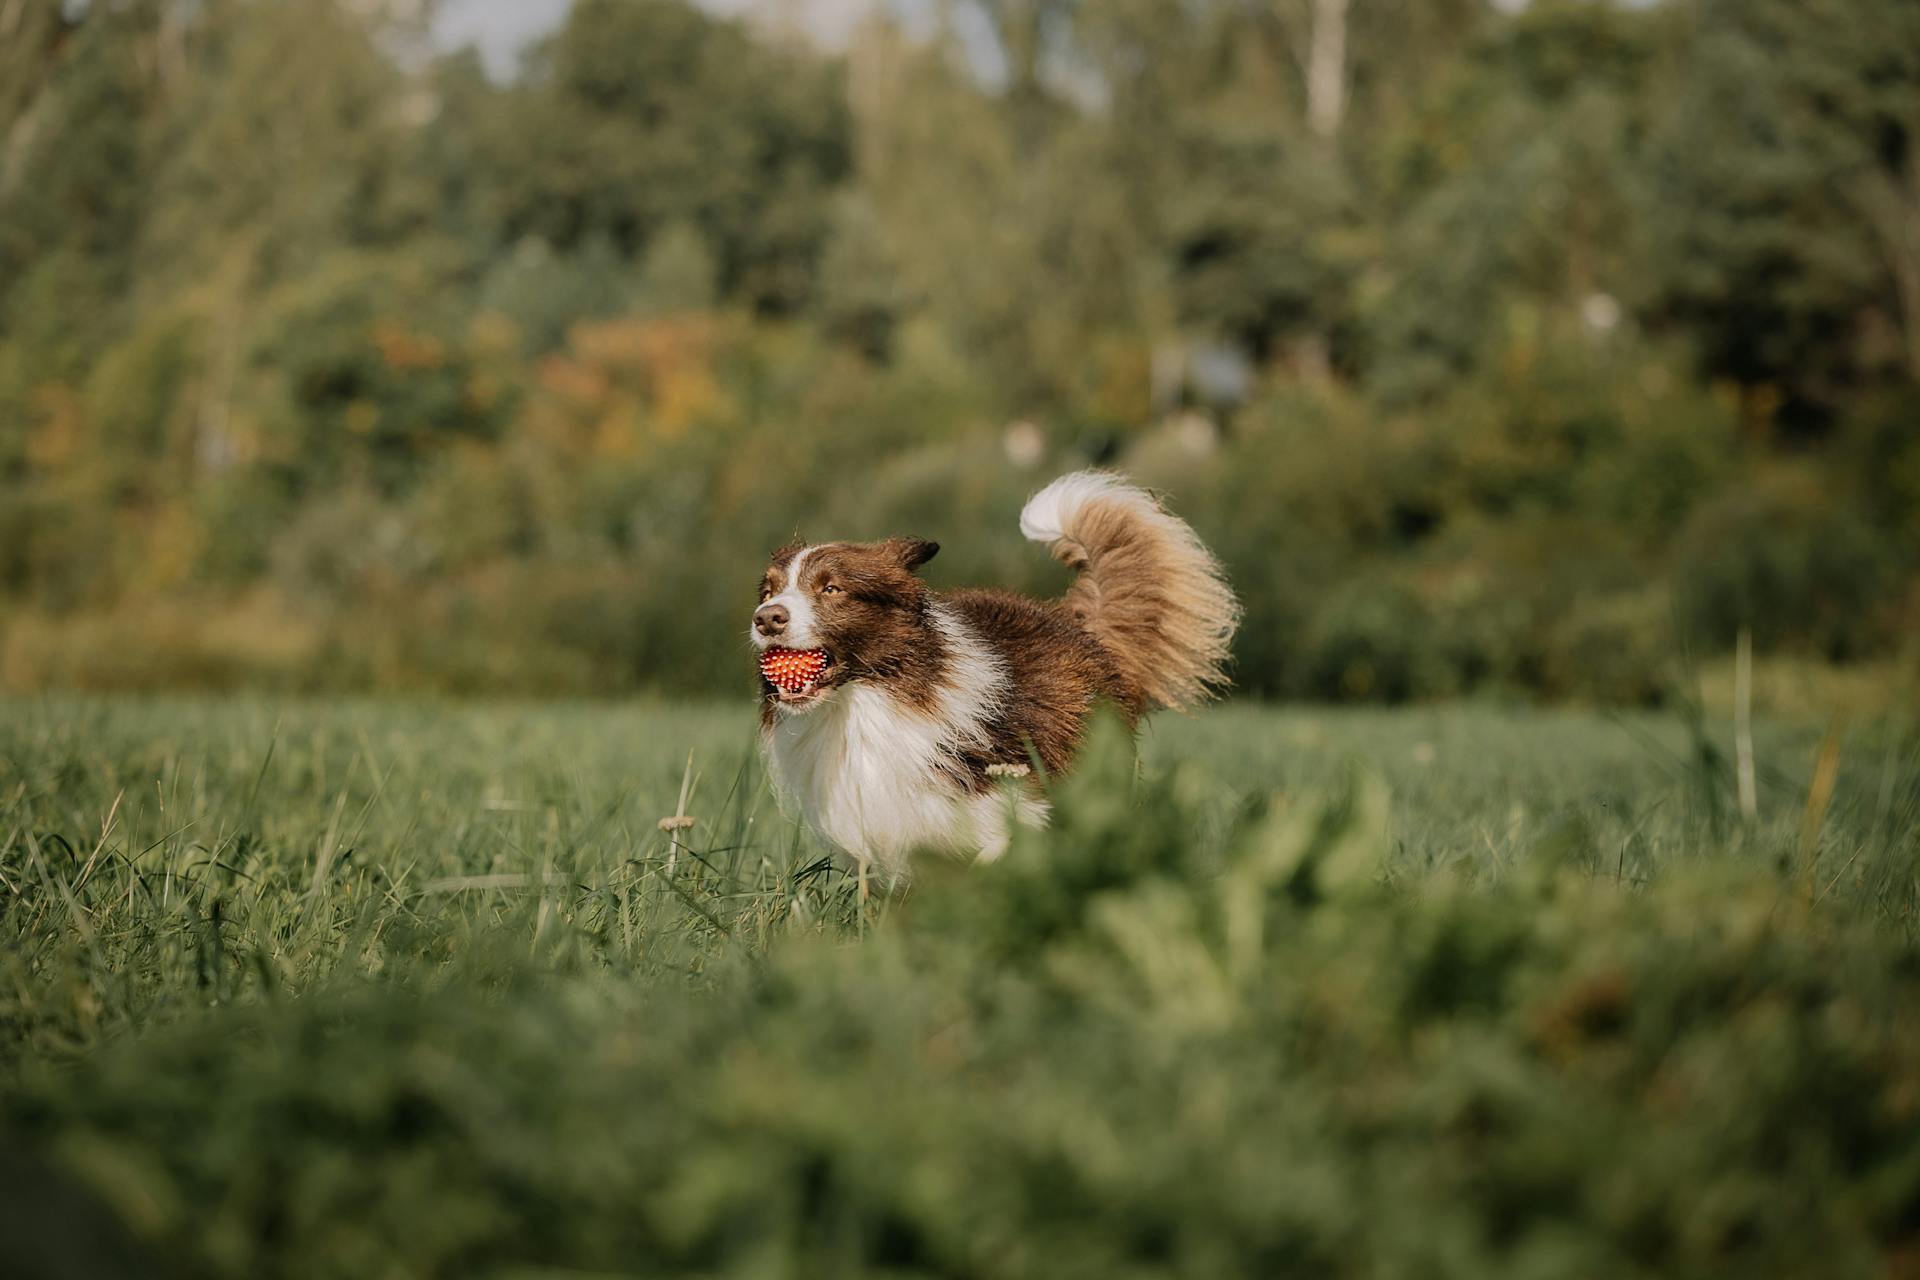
{"points": [[378, 989]]}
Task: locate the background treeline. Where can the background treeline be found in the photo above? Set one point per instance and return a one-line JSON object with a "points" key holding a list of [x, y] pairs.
{"points": [[1492, 350]]}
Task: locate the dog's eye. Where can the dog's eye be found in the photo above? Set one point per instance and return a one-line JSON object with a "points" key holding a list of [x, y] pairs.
{"points": [[766, 594], [831, 589]]}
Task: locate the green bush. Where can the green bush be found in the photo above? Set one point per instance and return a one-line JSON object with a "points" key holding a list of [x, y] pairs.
{"points": [[1879, 449], [1785, 560], [1614, 650], [1372, 641], [544, 292]]}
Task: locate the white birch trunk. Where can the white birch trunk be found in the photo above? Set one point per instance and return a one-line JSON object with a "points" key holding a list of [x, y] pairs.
{"points": [[1327, 67]]}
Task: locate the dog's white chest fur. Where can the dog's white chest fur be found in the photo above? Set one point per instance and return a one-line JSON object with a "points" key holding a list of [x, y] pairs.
{"points": [[865, 770]]}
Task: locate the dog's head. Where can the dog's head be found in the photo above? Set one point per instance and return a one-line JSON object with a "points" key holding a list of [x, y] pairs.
{"points": [[837, 612]]}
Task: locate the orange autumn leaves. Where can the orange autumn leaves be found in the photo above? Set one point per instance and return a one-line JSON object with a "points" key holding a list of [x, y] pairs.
{"points": [[623, 383]]}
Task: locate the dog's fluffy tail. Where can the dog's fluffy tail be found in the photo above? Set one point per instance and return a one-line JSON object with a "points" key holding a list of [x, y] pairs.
{"points": [[1147, 588]]}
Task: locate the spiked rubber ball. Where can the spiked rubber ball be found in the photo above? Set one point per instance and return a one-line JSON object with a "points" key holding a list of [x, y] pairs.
{"points": [[792, 669]]}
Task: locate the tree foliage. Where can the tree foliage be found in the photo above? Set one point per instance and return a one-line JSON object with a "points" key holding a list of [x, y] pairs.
{"points": [[1491, 348]]}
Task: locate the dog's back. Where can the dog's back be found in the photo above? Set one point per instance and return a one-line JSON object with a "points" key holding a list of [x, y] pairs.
{"points": [[1055, 669], [1145, 624]]}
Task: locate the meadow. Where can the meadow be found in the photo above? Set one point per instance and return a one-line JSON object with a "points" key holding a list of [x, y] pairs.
{"points": [[1512, 357], [405, 989]]}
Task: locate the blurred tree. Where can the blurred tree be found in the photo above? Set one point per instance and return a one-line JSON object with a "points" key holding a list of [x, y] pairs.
{"points": [[678, 272], [1787, 211], [1009, 242], [358, 375], [545, 292], [72, 171], [1262, 235], [1517, 189], [1245, 131], [32, 36], [284, 144], [1033, 44], [287, 304], [862, 299], [641, 114]]}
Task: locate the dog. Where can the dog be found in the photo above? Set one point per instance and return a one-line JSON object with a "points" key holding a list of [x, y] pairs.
{"points": [[890, 711]]}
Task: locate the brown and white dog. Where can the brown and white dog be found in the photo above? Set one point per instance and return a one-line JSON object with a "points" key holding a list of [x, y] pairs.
{"points": [[888, 709]]}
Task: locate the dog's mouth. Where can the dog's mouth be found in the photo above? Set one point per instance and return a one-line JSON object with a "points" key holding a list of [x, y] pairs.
{"points": [[798, 676]]}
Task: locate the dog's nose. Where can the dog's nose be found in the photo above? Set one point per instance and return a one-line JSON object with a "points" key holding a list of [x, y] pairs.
{"points": [[770, 619]]}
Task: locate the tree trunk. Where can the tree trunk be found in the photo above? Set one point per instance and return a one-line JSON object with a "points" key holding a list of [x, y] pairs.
{"points": [[1327, 68], [1892, 208]]}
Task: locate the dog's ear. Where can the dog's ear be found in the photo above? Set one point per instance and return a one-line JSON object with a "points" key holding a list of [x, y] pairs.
{"points": [[912, 552]]}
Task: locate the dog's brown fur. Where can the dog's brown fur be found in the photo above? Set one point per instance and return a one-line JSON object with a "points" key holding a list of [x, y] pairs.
{"points": [[1060, 670], [948, 689], [1145, 624], [1152, 595]]}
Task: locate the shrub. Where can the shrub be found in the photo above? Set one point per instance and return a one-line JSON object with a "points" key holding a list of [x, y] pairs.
{"points": [[1613, 649], [1372, 641], [1785, 559]]}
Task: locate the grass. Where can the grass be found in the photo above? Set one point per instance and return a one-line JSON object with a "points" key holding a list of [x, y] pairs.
{"points": [[379, 989]]}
